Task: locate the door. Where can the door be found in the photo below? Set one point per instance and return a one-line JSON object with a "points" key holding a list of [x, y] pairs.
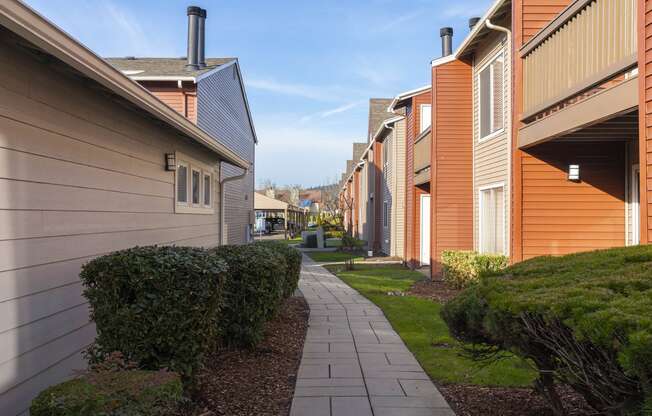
{"points": [[635, 204], [425, 230]]}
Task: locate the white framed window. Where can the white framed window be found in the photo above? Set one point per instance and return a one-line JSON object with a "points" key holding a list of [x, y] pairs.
{"points": [[385, 214], [492, 219], [193, 186], [491, 106], [425, 116]]}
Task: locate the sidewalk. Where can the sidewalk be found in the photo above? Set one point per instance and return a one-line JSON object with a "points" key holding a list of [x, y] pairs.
{"points": [[353, 362]]}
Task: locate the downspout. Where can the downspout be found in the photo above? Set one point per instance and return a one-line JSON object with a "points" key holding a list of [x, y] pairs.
{"points": [[508, 237], [222, 204]]}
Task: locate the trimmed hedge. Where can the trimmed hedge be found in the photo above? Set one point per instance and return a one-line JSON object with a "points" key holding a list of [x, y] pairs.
{"points": [[462, 269], [136, 392], [583, 319], [261, 276], [159, 306]]}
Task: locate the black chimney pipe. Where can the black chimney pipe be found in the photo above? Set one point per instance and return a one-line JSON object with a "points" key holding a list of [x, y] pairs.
{"points": [[473, 21], [193, 34], [446, 34], [201, 39]]}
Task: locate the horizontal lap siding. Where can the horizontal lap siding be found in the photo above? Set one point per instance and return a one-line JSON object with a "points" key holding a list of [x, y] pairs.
{"points": [[80, 176], [645, 116], [560, 216], [452, 160], [538, 13], [222, 112], [398, 183], [388, 195]]}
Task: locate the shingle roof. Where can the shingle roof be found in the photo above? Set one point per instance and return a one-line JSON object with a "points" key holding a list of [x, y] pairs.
{"points": [[169, 67], [377, 114], [358, 150]]}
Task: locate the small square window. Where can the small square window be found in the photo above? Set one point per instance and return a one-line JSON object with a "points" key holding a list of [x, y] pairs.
{"points": [[207, 190], [195, 186], [182, 183]]}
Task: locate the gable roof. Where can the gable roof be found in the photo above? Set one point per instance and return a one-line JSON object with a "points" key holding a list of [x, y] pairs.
{"points": [[48, 38], [407, 94], [158, 68], [377, 114]]}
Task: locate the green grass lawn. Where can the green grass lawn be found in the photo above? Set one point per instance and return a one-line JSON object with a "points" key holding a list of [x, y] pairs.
{"points": [[330, 256], [418, 323], [290, 241]]}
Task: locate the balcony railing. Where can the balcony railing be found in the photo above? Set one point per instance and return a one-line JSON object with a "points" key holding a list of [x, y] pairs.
{"points": [[591, 41], [422, 151]]}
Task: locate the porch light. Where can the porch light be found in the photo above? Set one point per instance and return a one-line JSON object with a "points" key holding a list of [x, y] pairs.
{"points": [[170, 162], [574, 172]]}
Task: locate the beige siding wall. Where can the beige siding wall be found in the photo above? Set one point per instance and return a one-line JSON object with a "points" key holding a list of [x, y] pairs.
{"points": [[388, 196], [80, 176], [398, 186], [491, 164]]}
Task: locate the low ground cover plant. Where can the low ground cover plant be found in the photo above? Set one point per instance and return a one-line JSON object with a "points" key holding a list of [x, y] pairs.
{"points": [[583, 319], [462, 269], [159, 306], [113, 390]]}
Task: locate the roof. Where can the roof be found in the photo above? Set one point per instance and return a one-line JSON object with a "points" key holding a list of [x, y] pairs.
{"points": [[265, 203], [44, 35], [164, 67], [377, 114], [407, 94], [499, 8], [358, 150]]}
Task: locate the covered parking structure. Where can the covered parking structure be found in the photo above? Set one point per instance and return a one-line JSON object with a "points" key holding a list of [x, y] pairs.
{"points": [[294, 218]]}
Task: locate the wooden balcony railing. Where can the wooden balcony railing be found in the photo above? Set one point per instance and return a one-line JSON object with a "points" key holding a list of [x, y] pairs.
{"points": [[589, 42], [422, 151]]}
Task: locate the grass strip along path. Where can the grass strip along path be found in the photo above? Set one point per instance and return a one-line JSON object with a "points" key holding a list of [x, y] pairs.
{"points": [[419, 324]]}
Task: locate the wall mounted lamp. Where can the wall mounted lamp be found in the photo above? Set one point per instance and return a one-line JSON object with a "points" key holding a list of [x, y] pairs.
{"points": [[170, 162], [574, 173]]}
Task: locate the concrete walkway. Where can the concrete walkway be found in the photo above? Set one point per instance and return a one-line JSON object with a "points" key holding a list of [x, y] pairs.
{"points": [[354, 363]]}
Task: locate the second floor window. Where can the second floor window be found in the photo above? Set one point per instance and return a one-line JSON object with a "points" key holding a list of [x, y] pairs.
{"points": [[491, 105], [425, 117]]}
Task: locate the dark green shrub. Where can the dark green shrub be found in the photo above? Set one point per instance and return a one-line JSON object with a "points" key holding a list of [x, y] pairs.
{"points": [[462, 269], [293, 259], [135, 392], [254, 290], [334, 234], [583, 319], [159, 306]]}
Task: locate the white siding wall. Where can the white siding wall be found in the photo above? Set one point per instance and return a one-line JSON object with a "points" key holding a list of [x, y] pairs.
{"points": [[398, 186], [80, 176], [491, 162], [221, 111], [388, 195]]}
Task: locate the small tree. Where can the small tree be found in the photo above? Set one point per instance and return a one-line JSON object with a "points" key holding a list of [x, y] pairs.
{"points": [[350, 245]]}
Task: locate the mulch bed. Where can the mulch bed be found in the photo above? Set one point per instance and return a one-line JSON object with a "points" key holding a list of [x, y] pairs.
{"points": [[468, 400], [493, 401], [436, 290], [258, 382]]}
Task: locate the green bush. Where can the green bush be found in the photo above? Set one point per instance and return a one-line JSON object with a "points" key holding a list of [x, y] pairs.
{"points": [[293, 259], [254, 289], [464, 268], [584, 319], [159, 306], [135, 392], [334, 234]]}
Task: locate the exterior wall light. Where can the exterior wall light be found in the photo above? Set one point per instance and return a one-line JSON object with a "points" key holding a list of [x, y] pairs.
{"points": [[574, 173], [170, 162]]}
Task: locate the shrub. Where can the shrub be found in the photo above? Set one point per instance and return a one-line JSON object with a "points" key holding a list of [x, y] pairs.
{"points": [[135, 392], [583, 319], [334, 234], [464, 268], [159, 306], [254, 290], [293, 259]]}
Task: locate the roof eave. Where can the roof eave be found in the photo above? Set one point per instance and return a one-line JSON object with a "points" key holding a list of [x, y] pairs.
{"points": [[28, 24], [407, 94]]}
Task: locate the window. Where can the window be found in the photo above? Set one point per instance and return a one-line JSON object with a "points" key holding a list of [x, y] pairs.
{"points": [[492, 220], [182, 183], [426, 116], [492, 114], [385, 214], [207, 190], [193, 182], [196, 186]]}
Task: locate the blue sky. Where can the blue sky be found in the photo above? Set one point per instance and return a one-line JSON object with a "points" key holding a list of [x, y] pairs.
{"points": [[310, 66]]}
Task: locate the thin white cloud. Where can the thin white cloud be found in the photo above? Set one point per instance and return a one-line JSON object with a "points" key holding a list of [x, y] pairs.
{"points": [[128, 25], [299, 90], [334, 111], [395, 23]]}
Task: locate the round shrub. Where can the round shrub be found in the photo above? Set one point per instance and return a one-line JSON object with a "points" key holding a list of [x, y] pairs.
{"points": [[254, 290], [137, 392], [159, 306], [293, 259]]}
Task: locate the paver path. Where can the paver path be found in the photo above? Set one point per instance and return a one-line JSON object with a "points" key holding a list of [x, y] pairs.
{"points": [[353, 362]]}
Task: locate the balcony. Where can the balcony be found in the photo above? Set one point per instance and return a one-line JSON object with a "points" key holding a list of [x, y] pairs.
{"points": [[422, 146], [590, 44]]}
